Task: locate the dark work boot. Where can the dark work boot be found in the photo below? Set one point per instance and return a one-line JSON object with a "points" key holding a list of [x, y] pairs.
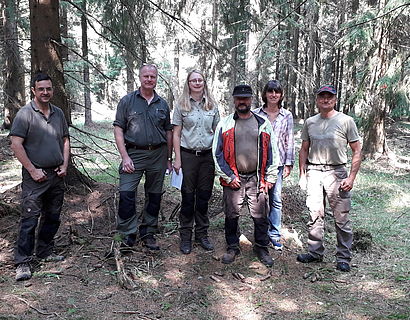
{"points": [[230, 255], [308, 258], [150, 242], [263, 255], [205, 243], [185, 246]]}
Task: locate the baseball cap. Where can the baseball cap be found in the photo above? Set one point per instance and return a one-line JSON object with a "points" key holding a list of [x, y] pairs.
{"points": [[242, 90], [327, 88]]}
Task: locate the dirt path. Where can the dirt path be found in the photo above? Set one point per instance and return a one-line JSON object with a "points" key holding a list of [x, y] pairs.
{"points": [[169, 285]]}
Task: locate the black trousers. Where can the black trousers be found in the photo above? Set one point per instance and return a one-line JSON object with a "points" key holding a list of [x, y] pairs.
{"points": [[41, 202], [197, 184]]}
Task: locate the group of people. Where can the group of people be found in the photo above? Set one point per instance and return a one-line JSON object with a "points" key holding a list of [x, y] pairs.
{"points": [[251, 151]]}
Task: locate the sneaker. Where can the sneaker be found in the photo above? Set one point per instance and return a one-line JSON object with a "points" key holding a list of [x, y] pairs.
{"points": [[150, 242], [52, 258], [308, 258], [185, 246], [276, 245], [230, 255], [204, 243], [23, 272], [343, 266], [263, 255]]}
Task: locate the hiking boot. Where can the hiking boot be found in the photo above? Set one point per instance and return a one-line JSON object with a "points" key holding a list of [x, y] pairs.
{"points": [[230, 255], [52, 258], [129, 240], [343, 266], [204, 243], [185, 246], [263, 255], [23, 272], [308, 258], [276, 245], [150, 242]]}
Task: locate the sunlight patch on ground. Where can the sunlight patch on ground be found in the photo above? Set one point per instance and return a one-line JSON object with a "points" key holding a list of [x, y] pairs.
{"points": [[236, 304], [376, 287], [10, 175], [175, 276], [5, 252], [401, 201], [286, 305]]}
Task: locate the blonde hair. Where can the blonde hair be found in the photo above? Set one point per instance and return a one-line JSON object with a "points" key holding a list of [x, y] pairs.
{"points": [[184, 99]]}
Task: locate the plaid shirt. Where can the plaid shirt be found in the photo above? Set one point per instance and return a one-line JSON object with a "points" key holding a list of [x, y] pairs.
{"points": [[283, 130]]}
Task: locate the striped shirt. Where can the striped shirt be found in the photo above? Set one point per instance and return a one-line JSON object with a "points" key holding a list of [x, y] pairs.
{"points": [[283, 130]]}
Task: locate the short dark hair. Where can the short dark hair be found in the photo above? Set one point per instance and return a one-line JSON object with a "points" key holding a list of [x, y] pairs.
{"points": [[270, 86], [39, 76]]}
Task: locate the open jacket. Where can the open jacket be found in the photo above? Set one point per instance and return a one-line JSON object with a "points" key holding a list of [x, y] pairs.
{"points": [[223, 149]]}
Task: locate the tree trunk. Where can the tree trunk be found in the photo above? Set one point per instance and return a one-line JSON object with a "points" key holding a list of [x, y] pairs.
{"points": [[314, 59], [46, 57], [46, 49], [292, 84], [13, 74], [374, 142], [252, 71], [86, 69]]}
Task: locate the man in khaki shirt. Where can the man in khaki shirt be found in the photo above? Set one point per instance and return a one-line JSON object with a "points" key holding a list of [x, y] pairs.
{"points": [[322, 162]]}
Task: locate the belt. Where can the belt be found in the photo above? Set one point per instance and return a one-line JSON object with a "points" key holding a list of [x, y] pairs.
{"points": [[249, 173], [197, 152], [149, 147], [325, 167]]}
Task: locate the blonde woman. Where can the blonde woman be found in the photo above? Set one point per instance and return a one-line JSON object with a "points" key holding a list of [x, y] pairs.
{"points": [[195, 119]]}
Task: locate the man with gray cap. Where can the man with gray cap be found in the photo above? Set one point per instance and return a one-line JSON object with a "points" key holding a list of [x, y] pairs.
{"points": [[322, 165], [246, 160]]}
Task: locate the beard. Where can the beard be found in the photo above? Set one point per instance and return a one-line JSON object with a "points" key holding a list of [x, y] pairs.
{"points": [[243, 110]]}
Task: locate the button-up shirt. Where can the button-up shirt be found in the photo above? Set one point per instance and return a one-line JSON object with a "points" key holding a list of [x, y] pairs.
{"points": [[283, 130], [198, 125], [143, 123]]}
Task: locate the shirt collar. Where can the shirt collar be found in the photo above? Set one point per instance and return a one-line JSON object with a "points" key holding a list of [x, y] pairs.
{"points": [[36, 109]]}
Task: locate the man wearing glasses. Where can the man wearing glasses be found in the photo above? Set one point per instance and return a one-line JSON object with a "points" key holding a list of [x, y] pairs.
{"points": [[40, 141], [143, 134], [322, 163]]}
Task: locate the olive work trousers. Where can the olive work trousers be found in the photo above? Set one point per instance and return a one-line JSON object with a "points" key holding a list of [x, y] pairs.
{"points": [[257, 202], [152, 164], [324, 181]]}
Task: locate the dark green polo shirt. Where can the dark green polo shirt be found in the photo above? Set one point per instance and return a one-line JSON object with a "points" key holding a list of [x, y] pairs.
{"points": [[43, 138], [143, 124]]}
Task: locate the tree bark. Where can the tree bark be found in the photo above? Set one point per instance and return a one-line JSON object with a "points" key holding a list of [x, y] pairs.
{"points": [[46, 57], [13, 74], [292, 85], [86, 70], [374, 142], [46, 48]]}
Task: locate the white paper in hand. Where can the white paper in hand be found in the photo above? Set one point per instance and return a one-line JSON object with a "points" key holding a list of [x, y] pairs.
{"points": [[176, 179]]}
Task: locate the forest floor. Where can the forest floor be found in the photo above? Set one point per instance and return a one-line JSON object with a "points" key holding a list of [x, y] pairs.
{"points": [[169, 285]]}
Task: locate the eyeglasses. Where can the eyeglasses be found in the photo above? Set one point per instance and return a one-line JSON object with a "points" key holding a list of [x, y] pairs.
{"points": [[196, 80]]}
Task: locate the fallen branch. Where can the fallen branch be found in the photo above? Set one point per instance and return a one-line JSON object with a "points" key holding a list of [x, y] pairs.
{"points": [[123, 279], [37, 310]]}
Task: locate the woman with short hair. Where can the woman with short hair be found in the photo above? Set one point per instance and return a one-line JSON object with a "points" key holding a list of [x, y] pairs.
{"points": [[282, 123]]}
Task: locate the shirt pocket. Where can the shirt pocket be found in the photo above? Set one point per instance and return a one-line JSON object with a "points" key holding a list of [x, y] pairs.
{"points": [[209, 120], [136, 122], [189, 119], [160, 116]]}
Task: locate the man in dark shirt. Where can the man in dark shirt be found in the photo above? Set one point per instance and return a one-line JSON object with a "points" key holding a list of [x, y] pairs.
{"points": [[143, 134], [246, 159], [40, 141]]}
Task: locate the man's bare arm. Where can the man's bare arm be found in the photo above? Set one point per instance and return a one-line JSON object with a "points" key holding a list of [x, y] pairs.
{"points": [[347, 184]]}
